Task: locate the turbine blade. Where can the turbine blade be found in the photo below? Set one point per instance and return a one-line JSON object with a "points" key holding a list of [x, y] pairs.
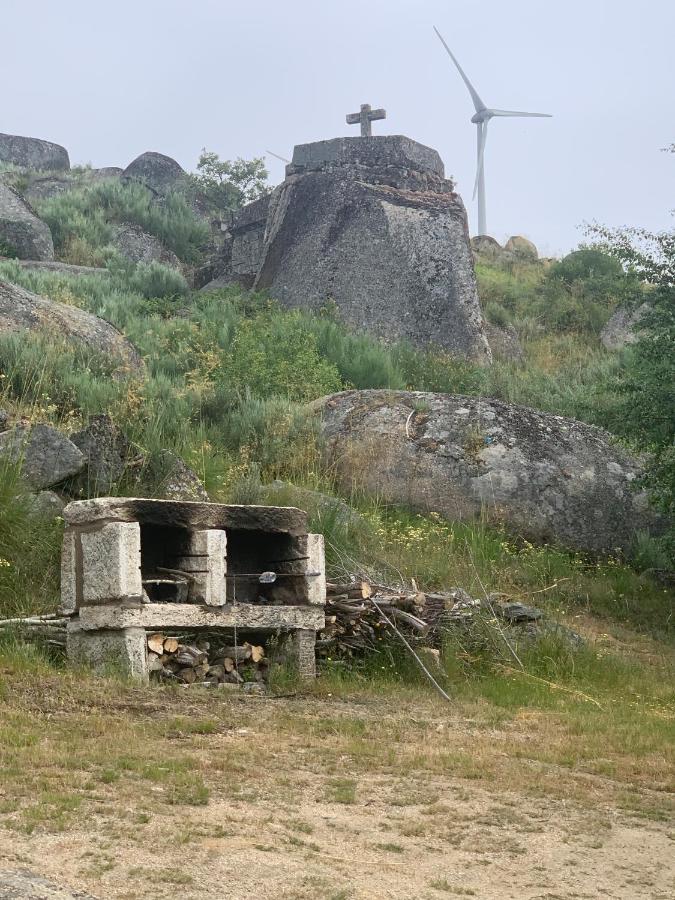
{"points": [[511, 112], [481, 153], [477, 102]]}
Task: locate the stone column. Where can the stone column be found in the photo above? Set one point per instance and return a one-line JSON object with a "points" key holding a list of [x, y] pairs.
{"points": [[108, 651], [205, 558], [300, 651]]}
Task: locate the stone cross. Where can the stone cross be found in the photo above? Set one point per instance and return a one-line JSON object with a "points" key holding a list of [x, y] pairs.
{"points": [[365, 117]]}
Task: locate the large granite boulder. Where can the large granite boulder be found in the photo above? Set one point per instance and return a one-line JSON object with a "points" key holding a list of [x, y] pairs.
{"points": [[46, 456], [623, 327], [486, 248], [158, 172], [22, 234], [22, 310], [139, 246], [520, 246], [33, 153], [545, 477], [107, 452], [371, 226]]}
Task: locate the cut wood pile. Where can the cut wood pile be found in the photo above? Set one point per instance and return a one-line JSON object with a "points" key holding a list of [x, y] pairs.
{"points": [[359, 613], [204, 661]]}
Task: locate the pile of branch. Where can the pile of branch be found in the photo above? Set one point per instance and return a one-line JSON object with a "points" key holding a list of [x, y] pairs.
{"points": [[49, 628], [358, 614], [202, 663]]}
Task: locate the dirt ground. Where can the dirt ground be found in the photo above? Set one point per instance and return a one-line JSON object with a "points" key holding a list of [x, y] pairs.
{"points": [[319, 798]]}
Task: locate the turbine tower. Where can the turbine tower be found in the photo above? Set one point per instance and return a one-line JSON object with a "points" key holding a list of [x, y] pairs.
{"points": [[480, 120]]}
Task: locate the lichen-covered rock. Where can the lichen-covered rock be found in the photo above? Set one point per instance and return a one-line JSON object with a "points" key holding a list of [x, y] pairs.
{"points": [[45, 505], [106, 451], [46, 456], [372, 226], [172, 478], [138, 246], [520, 246], [46, 187], [504, 342], [546, 477], [22, 310], [486, 248], [33, 153], [623, 327], [158, 172], [22, 234]]}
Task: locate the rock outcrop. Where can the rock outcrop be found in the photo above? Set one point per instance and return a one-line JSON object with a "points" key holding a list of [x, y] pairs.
{"points": [[21, 309], [622, 328], [22, 234], [33, 153], [106, 451], [516, 249], [504, 342], [158, 172], [371, 226], [518, 245], [545, 477], [139, 246], [46, 456]]}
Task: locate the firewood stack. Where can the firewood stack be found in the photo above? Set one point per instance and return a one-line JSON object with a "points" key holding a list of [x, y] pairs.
{"points": [[200, 662], [357, 612]]}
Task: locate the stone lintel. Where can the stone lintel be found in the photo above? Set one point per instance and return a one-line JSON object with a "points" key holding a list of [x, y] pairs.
{"points": [[157, 616], [374, 151], [184, 514]]}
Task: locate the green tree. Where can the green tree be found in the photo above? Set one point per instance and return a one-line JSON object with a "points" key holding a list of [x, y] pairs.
{"points": [[648, 381], [228, 184]]}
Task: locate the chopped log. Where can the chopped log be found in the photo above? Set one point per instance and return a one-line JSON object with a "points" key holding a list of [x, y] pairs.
{"points": [[156, 643], [170, 644], [257, 653]]}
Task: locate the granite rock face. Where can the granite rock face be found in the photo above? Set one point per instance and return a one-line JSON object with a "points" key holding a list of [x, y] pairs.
{"points": [[46, 456], [157, 171], [22, 234], [22, 310], [546, 477], [33, 153], [371, 226], [504, 342], [106, 451], [138, 246]]}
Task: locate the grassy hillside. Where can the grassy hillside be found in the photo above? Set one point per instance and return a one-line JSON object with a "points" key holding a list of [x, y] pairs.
{"points": [[227, 375]]}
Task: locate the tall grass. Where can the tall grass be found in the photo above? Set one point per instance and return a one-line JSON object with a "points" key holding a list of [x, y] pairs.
{"points": [[87, 214]]}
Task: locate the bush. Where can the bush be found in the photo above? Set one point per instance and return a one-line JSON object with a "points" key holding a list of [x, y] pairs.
{"points": [[86, 215], [29, 553]]}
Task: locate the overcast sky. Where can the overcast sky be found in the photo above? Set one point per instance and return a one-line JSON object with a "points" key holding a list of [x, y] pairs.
{"points": [[112, 79]]}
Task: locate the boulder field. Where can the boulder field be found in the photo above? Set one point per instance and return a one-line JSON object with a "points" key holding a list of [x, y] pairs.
{"points": [[545, 477]]}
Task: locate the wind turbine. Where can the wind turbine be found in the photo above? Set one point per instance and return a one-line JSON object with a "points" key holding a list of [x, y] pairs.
{"points": [[481, 119]]}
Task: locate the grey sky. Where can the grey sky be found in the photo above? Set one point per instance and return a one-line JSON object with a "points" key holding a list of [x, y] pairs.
{"points": [[112, 79]]}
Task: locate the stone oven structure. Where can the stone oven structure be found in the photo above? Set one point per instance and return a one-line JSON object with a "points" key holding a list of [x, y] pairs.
{"points": [[133, 566]]}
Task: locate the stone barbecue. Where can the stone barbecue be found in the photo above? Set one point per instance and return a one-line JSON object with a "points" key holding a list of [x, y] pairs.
{"points": [[130, 567]]}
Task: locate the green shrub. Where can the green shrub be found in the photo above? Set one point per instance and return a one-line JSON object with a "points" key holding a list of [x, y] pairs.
{"points": [[29, 552], [275, 354], [86, 215]]}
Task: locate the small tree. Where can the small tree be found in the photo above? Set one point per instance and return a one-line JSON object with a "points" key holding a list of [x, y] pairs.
{"points": [[648, 382], [229, 184]]}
